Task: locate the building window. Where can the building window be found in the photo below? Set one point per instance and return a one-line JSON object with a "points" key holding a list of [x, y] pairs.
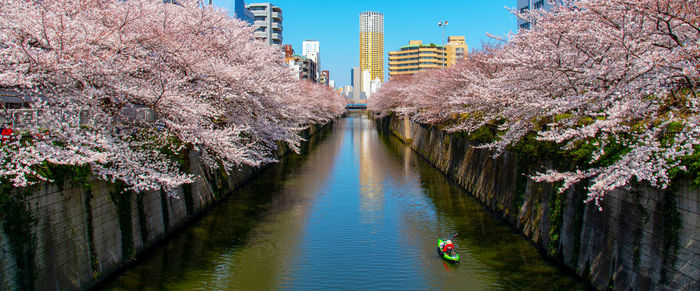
{"points": [[525, 25], [524, 9], [260, 17], [539, 4]]}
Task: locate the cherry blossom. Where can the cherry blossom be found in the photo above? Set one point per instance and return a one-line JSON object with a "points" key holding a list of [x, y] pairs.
{"points": [[596, 72], [123, 86]]}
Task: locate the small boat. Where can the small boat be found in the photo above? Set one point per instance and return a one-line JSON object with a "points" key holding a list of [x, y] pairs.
{"points": [[452, 257]]}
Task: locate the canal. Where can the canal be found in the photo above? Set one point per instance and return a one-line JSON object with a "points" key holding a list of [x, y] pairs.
{"points": [[357, 210]]}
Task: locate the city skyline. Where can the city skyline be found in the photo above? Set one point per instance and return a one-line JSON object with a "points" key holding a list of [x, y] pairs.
{"points": [[334, 25]]}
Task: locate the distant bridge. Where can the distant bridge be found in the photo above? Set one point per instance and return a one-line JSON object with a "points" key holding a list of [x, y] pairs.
{"points": [[353, 106]]}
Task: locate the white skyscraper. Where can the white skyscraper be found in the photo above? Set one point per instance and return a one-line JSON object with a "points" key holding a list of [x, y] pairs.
{"points": [[312, 50]]}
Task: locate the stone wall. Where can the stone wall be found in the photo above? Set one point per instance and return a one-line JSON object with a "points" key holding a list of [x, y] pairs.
{"points": [[71, 235], [644, 239]]}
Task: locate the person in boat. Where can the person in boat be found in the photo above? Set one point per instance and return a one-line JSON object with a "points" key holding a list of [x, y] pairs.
{"points": [[448, 248]]}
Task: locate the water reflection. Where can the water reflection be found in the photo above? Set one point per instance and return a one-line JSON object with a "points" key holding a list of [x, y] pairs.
{"points": [[371, 190], [359, 210]]}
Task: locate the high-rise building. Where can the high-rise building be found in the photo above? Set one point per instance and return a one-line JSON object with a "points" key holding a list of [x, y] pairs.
{"points": [[267, 22], [366, 80], [372, 44], [312, 50], [355, 78], [525, 5]]}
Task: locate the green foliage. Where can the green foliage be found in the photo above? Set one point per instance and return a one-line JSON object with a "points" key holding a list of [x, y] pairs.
{"points": [[556, 217], [692, 165], [560, 117], [483, 135], [180, 157], [530, 151]]}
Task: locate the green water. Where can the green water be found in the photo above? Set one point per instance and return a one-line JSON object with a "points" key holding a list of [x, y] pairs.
{"points": [[358, 210]]}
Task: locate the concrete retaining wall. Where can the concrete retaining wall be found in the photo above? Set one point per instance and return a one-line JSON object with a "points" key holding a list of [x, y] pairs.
{"points": [[73, 236], [644, 239]]}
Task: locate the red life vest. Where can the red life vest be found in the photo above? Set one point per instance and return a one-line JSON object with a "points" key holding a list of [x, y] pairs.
{"points": [[447, 248]]}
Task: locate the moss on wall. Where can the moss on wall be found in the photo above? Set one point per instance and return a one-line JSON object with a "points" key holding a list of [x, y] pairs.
{"points": [[122, 200], [94, 263], [556, 219], [18, 223], [143, 222]]}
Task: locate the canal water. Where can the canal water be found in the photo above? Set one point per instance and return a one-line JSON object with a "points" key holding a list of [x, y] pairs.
{"points": [[357, 210]]}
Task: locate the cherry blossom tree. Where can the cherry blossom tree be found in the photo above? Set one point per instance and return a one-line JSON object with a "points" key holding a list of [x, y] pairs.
{"points": [[94, 69], [600, 73]]}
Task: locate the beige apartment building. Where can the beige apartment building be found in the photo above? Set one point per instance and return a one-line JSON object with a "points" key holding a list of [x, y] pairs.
{"points": [[417, 56]]}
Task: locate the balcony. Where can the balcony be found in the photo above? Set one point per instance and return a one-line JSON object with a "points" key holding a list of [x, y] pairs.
{"points": [[277, 16], [277, 26], [276, 35]]}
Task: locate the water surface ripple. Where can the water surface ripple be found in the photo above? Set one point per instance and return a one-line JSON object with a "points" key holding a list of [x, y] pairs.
{"points": [[358, 210]]}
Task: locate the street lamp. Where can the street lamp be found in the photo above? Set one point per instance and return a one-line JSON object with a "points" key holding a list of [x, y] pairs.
{"points": [[443, 24]]}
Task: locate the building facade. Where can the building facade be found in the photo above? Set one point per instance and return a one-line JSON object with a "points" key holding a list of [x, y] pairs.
{"points": [[416, 56], [267, 22], [457, 49], [355, 79], [525, 5], [304, 66], [372, 44], [312, 49], [323, 77]]}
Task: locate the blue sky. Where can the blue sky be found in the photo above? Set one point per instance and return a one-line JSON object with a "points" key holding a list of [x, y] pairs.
{"points": [[335, 24]]}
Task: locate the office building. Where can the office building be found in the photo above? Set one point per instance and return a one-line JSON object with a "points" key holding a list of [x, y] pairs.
{"points": [[416, 56], [374, 86], [366, 80], [525, 5], [372, 44], [312, 50], [355, 77], [267, 22]]}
